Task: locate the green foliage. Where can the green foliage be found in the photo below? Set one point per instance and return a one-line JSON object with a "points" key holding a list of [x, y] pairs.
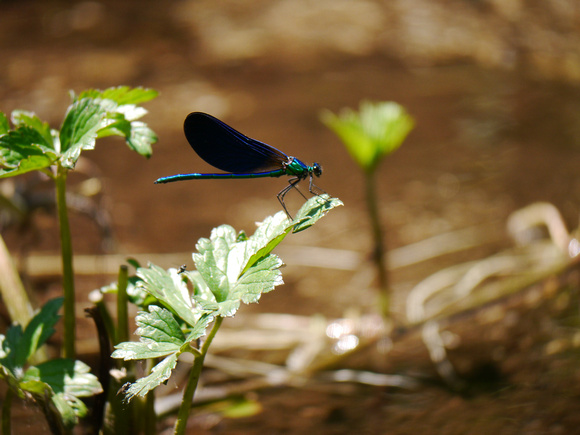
{"points": [[58, 383], [231, 268], [160, 337], [375, 131], [29, 145], [33, 145], [4, 125], [370, 134]]}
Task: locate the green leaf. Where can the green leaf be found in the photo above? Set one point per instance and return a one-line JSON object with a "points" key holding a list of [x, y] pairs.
{"points": [[70, 409], [132, 350], [38, 330], [170, 288], [115, 125], [21, 118], [376, 130], [32, 145], [138, 136], [24, 149], [10, 343], [69, 380], [131, 112], [314, 209], [55, 406], [213, 262], [122, 114], [53, 384], [19, 346], [274, 229], [260, 278], [141, 138], [233, 269], [160, 373], [122, 94], [4, 125], [79, 129], [65, 376], [267, 236], [202, 296], [160, 336], [37, 388]]}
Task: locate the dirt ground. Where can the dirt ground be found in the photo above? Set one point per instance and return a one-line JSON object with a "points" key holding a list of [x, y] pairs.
{"points": [[495, 95]]}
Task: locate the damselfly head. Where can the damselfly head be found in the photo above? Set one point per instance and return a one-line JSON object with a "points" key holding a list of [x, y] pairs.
{"points": [[317, 169]]}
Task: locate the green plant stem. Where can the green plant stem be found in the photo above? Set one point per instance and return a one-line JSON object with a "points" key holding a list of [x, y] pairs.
{"points": [[122, 308], [96, 297], [150, 418], [194, 375], [379, 248], [67, 264], [6, 406]]}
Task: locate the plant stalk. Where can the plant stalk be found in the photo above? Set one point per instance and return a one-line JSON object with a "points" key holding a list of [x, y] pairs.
{"points": [[379, 248], [122, 308], [194, 375], [67, 264], [150, 419], [6, 407]]}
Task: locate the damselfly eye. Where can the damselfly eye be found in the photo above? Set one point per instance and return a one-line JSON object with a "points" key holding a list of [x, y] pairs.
{"points": [[317, 169]]}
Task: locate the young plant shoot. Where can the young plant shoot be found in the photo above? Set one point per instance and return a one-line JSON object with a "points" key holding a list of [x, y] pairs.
{"points": [[369, 135], [231, 268]]}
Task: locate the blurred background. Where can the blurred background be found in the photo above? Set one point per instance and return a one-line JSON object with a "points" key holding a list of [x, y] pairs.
{"points": [[494, 88]]}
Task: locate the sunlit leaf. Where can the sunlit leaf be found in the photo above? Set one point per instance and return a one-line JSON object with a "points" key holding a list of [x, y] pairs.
{"points": [[159, 325], [160, 373], [212, 261], [138, 135], [170, 288], [68, 381], [121, 95], [231, 268], [314, 209], [267, 236], [260, 278], [4, 125], [133, 350], [21, 118], [70, 409], [160, 335], [122, 112], [24, 149], [115, 125], [79, 129], [65, 376], [141, 138], [376, 130]]}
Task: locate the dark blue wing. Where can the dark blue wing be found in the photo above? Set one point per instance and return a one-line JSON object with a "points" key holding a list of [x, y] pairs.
{"points": [[227, 149]]}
